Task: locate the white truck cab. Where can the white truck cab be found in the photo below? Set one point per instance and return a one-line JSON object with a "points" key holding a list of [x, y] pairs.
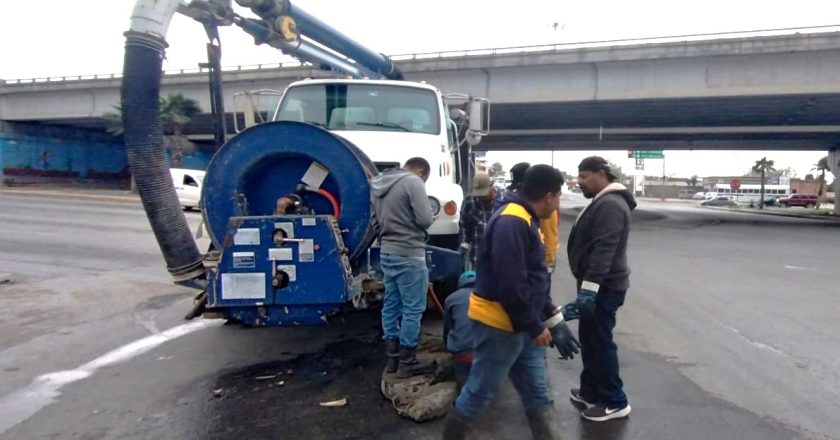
{"points": [[391, 122]]}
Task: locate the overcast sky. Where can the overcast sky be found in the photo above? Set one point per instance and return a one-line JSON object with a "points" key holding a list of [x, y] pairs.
{"points": [[60, 37]]}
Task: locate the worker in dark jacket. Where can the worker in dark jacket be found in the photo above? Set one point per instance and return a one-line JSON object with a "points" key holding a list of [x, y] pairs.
{"points": [[475, 212], [597, 251], [457, 327], [514, 319]]}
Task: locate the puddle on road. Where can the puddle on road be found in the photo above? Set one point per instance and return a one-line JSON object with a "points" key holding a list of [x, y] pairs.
{"points": [[282, 399]]}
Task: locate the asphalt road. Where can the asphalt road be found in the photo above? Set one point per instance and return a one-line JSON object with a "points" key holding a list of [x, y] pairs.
{"points": [[729, 331]]}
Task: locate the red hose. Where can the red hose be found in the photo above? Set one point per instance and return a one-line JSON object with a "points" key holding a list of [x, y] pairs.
{"points": [[331, 198]]}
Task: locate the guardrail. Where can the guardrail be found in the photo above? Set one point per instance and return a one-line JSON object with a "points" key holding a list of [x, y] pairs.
{"points": [[458, 53]]}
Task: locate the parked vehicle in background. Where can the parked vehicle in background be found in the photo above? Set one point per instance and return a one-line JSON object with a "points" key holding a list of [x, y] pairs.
{"points": [[687, 194], [188, 186], [710, 195], [719, 201], [803, 200], [699, 196], [751, 193]]}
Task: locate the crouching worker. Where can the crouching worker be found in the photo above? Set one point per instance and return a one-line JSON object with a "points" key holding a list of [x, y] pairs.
{"points": [[457, 327], [513, 317]]}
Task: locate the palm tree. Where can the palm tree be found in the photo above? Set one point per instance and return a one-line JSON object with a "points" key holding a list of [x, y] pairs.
{"points": [[822, 167], [176, 111], [113, 121], [762, 167]]}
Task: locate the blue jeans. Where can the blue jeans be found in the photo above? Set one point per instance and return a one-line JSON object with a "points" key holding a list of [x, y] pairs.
{"points": [[599, 380], [499, 354], [406, 283]]}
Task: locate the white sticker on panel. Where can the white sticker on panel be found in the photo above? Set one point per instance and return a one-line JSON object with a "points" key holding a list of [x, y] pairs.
{"points": [[290, 270], [307, 221], [306, 251], [249, 236], [243, 285], [315, 175], [243, 260], [280, 254]]}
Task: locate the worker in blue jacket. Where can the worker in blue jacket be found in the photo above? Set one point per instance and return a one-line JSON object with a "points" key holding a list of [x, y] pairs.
{"points": [[513, 317], [457, 327]]}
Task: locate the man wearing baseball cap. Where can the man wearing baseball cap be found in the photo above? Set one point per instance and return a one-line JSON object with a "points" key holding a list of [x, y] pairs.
{"points": [[475, 212], [597, 251]]}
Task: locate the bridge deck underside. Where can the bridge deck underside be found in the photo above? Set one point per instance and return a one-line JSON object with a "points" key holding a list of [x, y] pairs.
{"points": [[784, 122]]}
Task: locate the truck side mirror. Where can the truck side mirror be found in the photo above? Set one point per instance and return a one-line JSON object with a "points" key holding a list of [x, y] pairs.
{"points": [[480, 116]]}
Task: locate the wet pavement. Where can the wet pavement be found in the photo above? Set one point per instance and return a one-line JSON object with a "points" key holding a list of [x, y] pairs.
{"points": [[726, 333]]}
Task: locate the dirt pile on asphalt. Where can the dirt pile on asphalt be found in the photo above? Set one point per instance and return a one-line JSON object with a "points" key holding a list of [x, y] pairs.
{"points": [[283, 399]]}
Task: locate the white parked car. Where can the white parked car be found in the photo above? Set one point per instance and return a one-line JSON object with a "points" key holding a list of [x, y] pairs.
{"points": [[699, 196], [710, 195], [188, 186]]}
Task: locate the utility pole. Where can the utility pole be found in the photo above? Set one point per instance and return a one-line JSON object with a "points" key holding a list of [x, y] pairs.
{"points": [[663, 178]]}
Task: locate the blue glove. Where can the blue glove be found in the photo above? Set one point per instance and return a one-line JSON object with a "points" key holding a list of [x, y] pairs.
{"points": [[586, 303], [570, 311], [565, 342]]}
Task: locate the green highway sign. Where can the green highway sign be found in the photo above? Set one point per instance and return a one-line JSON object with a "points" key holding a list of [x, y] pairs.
{"points": [[649, 154]]}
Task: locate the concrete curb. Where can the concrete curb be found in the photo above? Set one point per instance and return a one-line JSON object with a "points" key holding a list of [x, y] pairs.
{"points": [[830, 219], [101, 195]]}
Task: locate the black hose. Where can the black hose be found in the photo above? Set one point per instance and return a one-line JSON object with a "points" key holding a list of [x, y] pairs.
{"points": [[147, 158]]}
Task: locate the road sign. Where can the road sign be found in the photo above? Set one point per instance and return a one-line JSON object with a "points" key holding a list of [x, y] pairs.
{"points": [[735, 183], [648, 154]]}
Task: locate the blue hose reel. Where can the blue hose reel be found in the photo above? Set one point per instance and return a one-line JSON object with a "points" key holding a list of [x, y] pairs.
{"points": [[289, 269]]}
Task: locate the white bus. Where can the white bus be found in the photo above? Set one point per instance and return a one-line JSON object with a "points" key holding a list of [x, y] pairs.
{"points": [[751, 193]]}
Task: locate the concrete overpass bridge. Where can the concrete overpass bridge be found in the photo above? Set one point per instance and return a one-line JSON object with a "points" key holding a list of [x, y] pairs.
{"points": [[761, 92]]}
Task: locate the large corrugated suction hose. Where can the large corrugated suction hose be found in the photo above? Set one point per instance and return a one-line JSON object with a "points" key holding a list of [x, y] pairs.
{"points": [[147, 158]]}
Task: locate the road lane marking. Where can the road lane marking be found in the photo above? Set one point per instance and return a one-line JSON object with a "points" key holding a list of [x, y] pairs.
{"points": [[754, 343], [809, 269], [45, 389]]}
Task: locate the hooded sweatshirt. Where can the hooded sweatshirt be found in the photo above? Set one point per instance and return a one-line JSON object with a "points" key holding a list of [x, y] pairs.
{"points": [[597, 245], [401, 212]]}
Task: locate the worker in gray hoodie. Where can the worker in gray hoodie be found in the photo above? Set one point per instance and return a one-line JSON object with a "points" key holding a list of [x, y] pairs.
{"points": [[402, 214]]}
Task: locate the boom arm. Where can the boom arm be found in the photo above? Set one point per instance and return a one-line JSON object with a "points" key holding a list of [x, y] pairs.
{"points": [[291, 23]]}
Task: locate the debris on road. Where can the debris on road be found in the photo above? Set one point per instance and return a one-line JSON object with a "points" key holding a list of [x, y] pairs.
{"points": [[335, 403], [271, 376]]}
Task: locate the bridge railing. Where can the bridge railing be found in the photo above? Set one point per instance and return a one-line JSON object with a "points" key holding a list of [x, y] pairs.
{"points": [[292, 63]]}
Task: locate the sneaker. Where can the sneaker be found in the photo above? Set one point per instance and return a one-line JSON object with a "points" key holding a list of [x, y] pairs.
{"points": [[575, 396], [601, 413]]}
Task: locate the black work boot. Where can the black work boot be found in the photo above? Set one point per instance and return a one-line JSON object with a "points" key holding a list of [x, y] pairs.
{"points": [[411, 366], [542, 424], [455, 426], [392, 350]]}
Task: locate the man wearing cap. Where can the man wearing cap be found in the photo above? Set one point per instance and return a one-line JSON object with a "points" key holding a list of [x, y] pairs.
{"points": [[475, 213], [517, 174], [597, 251]]}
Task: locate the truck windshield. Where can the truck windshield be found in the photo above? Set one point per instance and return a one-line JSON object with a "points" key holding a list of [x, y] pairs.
{"points": [[362, 107]]}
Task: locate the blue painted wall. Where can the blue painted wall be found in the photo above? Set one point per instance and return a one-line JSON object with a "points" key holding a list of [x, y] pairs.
{"points": [[63, 157], [56, 156]]}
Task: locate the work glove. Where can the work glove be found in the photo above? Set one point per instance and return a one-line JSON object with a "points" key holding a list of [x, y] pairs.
{"points": [[565, 342], [586, 301], [561, 337], [570, 312]]}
